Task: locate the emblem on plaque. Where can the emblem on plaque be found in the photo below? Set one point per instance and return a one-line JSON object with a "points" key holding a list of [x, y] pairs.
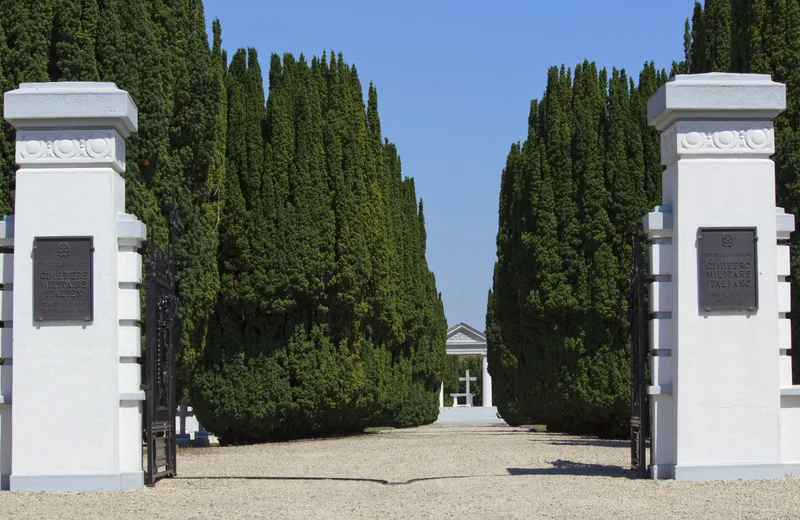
{"points": [[63, 249], [728, 240]]}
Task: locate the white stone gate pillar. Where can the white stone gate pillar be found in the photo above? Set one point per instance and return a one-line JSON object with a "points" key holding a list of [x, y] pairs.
{"points": [[718, 298], [76, 415]]}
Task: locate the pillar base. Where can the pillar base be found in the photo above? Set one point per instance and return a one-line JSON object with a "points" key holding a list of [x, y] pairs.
{"points": [[751, 471], [662, 471], [77, 483]]}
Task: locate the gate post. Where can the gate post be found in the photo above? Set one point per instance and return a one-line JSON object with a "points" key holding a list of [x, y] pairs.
{"points": [[719, 297], [76, 416]]}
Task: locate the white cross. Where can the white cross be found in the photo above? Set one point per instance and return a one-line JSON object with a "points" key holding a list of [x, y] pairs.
{"points": [[467, 379]]}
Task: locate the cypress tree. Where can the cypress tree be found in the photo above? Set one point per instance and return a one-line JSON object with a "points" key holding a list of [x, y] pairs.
{"points": [[570, 199], [7, 166], [756, 59], [687, 47], [308, 337], [73, 38], [194, 137], [307, 306], [27, 31], [699, 54], [159, 53], [502, 304], [24, 58], [650, 80], [717, 35], [129, 54], [740, 51]]}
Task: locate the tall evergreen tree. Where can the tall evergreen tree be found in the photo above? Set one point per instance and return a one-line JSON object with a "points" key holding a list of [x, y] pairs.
{"points": [[717, 34], [73, 39], [570, 199], [698, 61], [7, 166], [307, 306], [310, 335], [24, 58]]}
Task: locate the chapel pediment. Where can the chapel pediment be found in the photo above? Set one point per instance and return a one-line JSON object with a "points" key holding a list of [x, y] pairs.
{"points": [[463, 333]]}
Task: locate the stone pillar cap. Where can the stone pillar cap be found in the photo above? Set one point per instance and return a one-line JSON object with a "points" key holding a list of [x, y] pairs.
{"points": [[716, 95], [71, 104]]}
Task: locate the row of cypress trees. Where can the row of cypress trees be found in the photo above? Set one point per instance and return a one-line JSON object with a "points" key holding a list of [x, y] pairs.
{"points": [[329, 317], [571, 198], [307, 304]]}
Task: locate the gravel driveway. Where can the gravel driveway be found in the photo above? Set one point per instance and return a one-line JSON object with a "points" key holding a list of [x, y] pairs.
{"points": [[436, 472]]}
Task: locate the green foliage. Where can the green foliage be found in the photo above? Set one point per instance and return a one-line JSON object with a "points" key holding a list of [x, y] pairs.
{"points": [[158, 51], [327, 317], [556, 323], [24, 35], [307, 306], [571, 198], [73, 40]]}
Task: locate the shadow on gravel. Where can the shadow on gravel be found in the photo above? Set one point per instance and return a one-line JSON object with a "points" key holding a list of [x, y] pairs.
{"points": [[568, 467], [594, 442], [560, 467], [467, 433], [512, 472], [334, 479], [340, 479]]}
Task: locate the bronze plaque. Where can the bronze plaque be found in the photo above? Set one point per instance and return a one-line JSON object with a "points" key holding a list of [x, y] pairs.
{"points": [[63, 277], [728, 269]]}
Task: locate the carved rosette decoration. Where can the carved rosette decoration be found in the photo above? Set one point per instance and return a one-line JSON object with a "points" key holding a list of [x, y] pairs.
{"points": [[78, 147], [714, 138]]}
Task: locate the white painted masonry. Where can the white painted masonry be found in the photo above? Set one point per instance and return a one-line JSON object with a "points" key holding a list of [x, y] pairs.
{"points": [[722, 405], [76, 415], [463, 340]]}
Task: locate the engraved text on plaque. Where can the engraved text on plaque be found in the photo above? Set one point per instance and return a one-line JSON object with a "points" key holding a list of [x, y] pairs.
{"points": [[727, 269], [63, 278]]}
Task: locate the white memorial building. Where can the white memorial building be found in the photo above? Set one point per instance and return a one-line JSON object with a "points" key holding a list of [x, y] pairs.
{"points": [[464, 340]]}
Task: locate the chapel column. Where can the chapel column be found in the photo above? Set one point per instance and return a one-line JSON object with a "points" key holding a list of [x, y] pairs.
{"points": [[486, 382]]}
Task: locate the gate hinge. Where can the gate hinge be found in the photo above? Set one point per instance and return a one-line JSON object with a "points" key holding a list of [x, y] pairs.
{"points": [[7, 250], [144, 387]]}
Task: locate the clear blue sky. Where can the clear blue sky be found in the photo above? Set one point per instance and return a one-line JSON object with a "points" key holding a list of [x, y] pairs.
{"points": [[455, 80]]}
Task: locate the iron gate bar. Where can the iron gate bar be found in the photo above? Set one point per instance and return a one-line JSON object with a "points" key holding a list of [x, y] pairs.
{"points": [[160, 386], [639, 347]]}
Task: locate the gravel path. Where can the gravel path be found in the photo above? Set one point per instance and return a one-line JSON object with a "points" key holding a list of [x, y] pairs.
{"points": [[438, 472]]}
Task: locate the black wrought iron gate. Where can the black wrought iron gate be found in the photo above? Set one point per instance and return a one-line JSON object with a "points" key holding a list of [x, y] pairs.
{"points": [[639, 342], [160, 327]]}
